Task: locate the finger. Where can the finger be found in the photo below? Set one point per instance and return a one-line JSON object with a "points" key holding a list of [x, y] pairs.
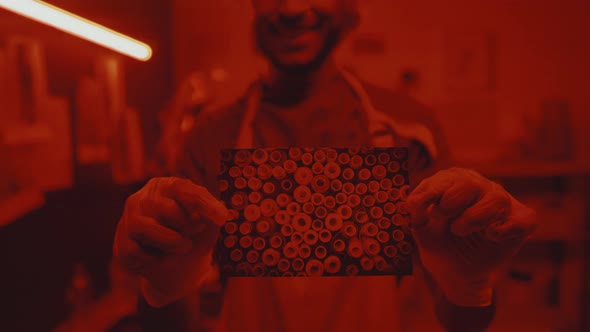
{"points": [[148, 233], [429, 191], [421, 199], [168, 213], [429, 233], [421, 218], [194, 198], [132, 203], [494, 206], [458, 198], [129, 254], [135, 259], [521, 224], [438, 222]]}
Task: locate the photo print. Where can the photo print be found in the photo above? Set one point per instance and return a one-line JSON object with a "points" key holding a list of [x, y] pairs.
{"points": [[311, 212]]}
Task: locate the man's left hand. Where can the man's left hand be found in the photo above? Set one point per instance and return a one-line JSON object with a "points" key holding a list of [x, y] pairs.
{"points": [[466, 227]]}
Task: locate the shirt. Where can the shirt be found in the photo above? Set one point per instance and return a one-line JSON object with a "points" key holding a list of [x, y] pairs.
{"points": [[323, 304], [320, 120]]}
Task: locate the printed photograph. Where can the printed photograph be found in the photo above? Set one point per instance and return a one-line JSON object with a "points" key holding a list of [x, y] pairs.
{"points": [[309, 212]]}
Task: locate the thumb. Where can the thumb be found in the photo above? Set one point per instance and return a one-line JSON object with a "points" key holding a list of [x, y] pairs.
{"points": [[429, 226], [521, 224], [428, 193], [419, 214], [197, 200]]}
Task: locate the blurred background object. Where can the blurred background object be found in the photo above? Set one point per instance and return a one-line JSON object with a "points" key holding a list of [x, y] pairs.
{"points": [[82, 127], [109, 131], [553, 137], [77, 124], [195, 95], [35, 126]]}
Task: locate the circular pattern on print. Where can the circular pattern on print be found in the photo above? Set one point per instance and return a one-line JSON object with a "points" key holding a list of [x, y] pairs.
{"points": [[315, 212]]}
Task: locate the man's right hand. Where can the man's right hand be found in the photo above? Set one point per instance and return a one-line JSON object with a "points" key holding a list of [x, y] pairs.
{"points": [[166, 235]]}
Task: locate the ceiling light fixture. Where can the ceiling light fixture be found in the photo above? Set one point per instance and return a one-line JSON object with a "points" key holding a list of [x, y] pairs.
{"points": [[78, 26]]}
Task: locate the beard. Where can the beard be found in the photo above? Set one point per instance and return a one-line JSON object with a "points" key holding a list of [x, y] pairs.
{"points": [[332, 35]]}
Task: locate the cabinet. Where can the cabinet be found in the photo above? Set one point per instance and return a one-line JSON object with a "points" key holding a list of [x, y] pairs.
{"points": [[35, 135], [545, 287]]}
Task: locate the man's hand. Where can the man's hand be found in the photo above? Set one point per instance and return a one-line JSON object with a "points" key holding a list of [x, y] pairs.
{"points": [[466, 227], [166, 235]]}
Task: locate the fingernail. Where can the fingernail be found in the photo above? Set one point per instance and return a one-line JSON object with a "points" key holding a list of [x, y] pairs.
{"points": [[221, 220], [219, 217]]}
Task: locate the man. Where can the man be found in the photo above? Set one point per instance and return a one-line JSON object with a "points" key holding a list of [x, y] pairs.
{"points": [[465, 226]]}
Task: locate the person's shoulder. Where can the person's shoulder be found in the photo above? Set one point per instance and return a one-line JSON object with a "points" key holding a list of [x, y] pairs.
{"points": [[398, 105], [420, 119], [221, 116], [207, 133], [221, 121]]}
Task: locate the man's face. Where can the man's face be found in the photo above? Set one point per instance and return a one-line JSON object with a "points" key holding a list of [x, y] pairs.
{"points": [[300, 34]]}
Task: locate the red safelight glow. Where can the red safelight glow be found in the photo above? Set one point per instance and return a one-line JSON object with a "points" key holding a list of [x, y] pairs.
{"points": [[78, 26]]}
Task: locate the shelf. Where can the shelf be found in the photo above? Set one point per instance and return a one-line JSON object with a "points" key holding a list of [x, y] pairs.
{"points": [[529, 169], [93, 154], [19, 204], [25, 135], [548, 249]]}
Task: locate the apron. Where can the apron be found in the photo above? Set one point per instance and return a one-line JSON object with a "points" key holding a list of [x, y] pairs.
{"points": [[252, 294], [378, 121]]}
